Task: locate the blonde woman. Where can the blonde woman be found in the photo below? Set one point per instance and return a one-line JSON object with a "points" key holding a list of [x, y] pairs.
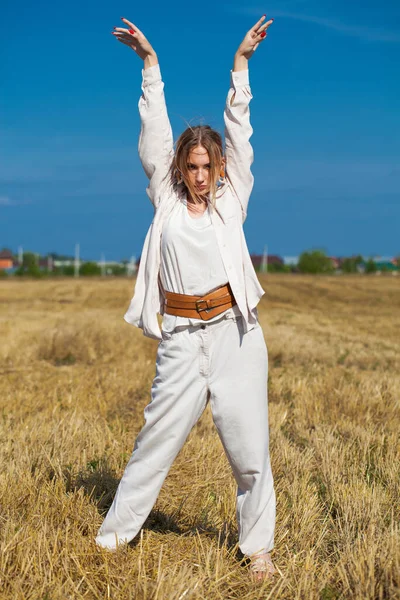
{"points": [[196, 272]]}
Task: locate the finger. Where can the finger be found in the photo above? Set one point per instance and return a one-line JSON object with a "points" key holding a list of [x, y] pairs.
{"points": [[260, 37], [257, 25], [124, 36], [127, 43], [257, 44], [265, 26], [124, 32], [131, 25]]}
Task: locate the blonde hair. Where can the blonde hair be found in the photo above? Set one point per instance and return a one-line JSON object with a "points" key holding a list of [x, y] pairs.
{"points": [[211, 140]]}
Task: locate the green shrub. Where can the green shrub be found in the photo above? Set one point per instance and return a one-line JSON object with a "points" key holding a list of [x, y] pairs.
{"points": [[315, 261]]}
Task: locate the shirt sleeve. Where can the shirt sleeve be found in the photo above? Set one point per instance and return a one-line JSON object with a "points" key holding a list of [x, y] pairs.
{"points": [[155, 141], [238, 130]]}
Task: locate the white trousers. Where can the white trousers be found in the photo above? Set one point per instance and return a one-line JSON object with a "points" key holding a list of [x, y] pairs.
{"points": [[214, 361]]}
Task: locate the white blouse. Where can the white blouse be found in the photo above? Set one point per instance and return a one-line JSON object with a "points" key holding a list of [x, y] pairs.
{"points": [[156, 151], [191, 262]]}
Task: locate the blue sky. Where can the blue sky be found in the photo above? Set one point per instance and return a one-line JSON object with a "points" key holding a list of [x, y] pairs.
{"points": [[325, 114]]}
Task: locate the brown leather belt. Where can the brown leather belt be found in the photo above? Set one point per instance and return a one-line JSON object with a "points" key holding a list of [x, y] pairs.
{"points": [[199, 307]]}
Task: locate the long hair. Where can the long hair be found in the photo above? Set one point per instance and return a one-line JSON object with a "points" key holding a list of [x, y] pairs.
{"points": [[211, 140]]}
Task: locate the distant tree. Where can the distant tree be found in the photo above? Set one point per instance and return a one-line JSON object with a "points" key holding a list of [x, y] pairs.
{"points": [[117, 269], [315, 261], [67, 270], [29, 267], [31, 271], [370, 266], [278, 268], [90, 269], [5, 249], [56, 256], [349, 265], [29, 259]]}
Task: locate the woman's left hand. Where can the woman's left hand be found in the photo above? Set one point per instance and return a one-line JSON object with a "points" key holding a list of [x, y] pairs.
{"points": [[253, 38]]}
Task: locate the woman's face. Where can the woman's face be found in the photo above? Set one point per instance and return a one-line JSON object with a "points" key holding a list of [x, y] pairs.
{"points": [[198, 169]]}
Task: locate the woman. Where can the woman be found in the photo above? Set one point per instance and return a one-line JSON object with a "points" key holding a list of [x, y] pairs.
{"points": [[196, 271]]}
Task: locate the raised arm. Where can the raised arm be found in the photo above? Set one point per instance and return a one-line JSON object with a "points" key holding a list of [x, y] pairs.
{"points": [[238, 150], [155, 141], [156, 148]]}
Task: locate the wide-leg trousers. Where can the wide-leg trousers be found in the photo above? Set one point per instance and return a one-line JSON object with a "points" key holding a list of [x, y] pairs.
{"points": [[214, 362]]}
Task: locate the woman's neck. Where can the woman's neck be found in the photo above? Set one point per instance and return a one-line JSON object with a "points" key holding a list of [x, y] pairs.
{"points": [[196, 207]]}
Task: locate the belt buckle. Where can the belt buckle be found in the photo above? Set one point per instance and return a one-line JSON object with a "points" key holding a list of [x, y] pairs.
{"points": [[197, 305]]}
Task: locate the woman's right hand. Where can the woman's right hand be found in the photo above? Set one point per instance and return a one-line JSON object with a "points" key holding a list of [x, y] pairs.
{"points": [[135, 39]]}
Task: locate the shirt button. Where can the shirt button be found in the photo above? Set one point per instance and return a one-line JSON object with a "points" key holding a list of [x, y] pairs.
{"points": [[203, 326]]}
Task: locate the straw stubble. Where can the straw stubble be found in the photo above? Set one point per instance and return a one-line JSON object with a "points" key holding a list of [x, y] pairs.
{"points": [[75, 379]]}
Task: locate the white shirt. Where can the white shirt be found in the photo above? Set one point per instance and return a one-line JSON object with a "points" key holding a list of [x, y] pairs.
{"points": [[156, 151], [191, 262]]}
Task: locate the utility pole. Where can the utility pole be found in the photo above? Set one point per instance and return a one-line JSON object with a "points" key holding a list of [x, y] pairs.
{"points": [[264, 262], [103, 265], [20, 255], [131, 266], [76, 261]]}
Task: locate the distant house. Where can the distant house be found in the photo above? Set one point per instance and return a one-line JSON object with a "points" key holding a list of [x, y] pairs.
{"points": [[64, 263], [389, 264], [6, 260], [291, 261], [272, 259], [46, 263], [385, 263], [336, 262]]}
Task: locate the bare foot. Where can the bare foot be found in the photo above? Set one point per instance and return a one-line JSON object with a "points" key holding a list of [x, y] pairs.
{"points": [[262, 567]]}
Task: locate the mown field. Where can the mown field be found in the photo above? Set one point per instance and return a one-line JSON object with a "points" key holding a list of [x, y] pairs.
{"points": [[75, 379]]}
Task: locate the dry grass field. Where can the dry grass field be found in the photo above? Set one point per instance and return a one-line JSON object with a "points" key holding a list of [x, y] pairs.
{"points": [[75, 379]]}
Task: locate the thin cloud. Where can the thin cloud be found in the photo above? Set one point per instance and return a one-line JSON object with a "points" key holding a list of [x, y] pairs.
{"points": [[7, 201], [366, 33]]}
